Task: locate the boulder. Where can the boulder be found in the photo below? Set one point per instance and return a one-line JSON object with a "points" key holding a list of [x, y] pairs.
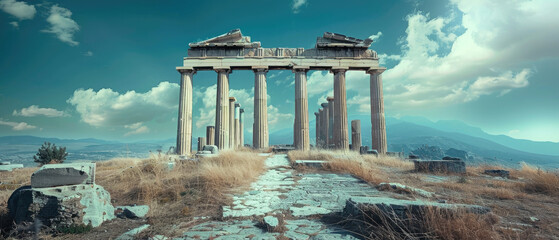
{"points": [[271, 222], [131, 235], [497, 173], [132, 211], [444, 166], [53, 175], [62, 206], [212, 148]]}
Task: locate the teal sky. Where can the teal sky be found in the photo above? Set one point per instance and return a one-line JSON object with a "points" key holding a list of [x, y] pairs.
{"points": [[106, 69]]}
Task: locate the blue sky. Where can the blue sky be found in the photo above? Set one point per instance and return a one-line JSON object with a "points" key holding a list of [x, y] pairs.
{"points": [[106, 69]]}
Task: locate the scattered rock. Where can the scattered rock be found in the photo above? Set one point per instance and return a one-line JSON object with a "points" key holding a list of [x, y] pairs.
{"points": [[444, 166], [497, 173], [62, 206], [131, 235], [271, 222], [54, 175], [132, 211], [534, 219], [4, 163], [310, 163], [451, 158], [411, 156]]}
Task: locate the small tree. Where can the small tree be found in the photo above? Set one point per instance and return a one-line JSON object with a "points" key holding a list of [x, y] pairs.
{"points": [[50, 153]]}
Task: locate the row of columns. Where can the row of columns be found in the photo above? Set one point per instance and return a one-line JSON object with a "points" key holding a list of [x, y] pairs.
{"points": [[332, 122]]}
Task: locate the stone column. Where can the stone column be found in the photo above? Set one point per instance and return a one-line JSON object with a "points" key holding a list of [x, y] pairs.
{"points": [[325, 126], [241, 127], [184, 129], [330, 119], [319, 131], [355, 135], [237, 125], [232, 101], [210, 134], [201, 143], [301, 127], [260, 129], [317, 128], [341, 138], [222, 109], [378, 125]]}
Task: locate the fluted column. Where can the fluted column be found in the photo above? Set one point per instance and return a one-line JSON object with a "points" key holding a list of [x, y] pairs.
{"points": [[237, 125], [184, 128], [378, 125], [260, 127], [201, 143], [232, 101], [330, 119], [317, 128], [341, 140], [324, 125], [222, 109], [210, 135], [241, 127], [355, 135], [301, 110]]}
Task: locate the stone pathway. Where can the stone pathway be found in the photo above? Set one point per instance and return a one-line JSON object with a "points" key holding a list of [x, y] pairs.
{"points": [[301, 197]]}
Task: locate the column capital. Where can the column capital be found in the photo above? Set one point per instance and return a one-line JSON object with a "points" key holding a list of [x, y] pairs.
{"points": [[339, 70], [232, 99], [300, 69], [316, 114], [242, 110], [376, 70], [329, 99], [222, 69], [260, 69], [324, 105], [186, 70]]}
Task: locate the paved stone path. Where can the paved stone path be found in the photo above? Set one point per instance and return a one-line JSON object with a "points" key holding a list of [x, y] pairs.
{"points": [[301, 197]]}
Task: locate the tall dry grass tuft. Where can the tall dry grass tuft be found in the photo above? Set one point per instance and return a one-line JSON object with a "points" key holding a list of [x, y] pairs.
{"points": [[359, 168], [231, 169], [539, 181], [460, 224], [309, 155]]}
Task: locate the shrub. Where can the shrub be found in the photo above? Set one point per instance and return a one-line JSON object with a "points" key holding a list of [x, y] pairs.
{"points": [[50, 153]]}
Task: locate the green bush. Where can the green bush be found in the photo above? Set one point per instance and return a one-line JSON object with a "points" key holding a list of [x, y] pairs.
{"points": [[50, 153]]}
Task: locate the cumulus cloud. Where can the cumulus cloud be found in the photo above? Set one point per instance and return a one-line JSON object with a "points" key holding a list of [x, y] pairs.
{"points": [[17, 126], [88, 54], [109, 108], [136, 128], [62, 25], [15, 24], [35, 110], [297, 4], [375, 37], [20, 10], [278, 120]]}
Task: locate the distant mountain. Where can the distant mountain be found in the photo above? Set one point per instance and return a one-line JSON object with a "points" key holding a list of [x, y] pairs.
{"points": [[407, 134]]}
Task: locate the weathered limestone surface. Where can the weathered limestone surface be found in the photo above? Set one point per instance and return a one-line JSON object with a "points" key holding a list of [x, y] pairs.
{"points": [[241, 127], [139, 211], [184, 136], [317, 128], [355, 135], [330, 119], [341, 138], [238, 143], [378, 129], [324, 125], [52, 175], [131, 235], [231, 121], [222, 109], [260, 131], [301, 128], [62, 206], [210, 135]]}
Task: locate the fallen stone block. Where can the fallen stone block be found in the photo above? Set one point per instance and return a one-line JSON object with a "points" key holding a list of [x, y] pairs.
{"points": [[132, 211], [4, 163], [53, 175], [443, 166], [402, 187], [497, 173], [310, 163], [62, 206], [271, 223], [10, 167]]}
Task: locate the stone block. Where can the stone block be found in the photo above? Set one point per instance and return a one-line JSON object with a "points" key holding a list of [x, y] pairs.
{"points": [[132, 211], [4, 163], [10, 167], [52, 175], [498, 173], [61, 206], [212, 148], [444, 166], [310, 163]]}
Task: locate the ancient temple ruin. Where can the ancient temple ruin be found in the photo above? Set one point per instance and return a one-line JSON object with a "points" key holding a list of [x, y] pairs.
{"points": [[233, 51]]}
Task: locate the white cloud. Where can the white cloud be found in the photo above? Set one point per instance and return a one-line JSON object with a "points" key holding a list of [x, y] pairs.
{"points": [[35, 110], [374, 37], [297, 4], [278, 120], [17, 126], [88, 54], [497, 41], [137, 128], [20, 10], [62, 25], [15, 24], [362, 103], [109, 108], [319, 82]]}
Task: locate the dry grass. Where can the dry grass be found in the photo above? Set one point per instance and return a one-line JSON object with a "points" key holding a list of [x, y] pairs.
{"points": [[539, 181]]}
